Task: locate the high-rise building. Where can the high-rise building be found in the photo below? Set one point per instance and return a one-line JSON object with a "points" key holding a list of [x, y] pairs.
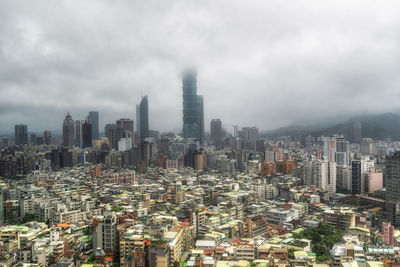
{"points": [[1, 206], [86, 134], [393, 188], [336, 149], [342, 155], [47, 137], [368, 146], [32, 139], [142, 118], [193, 108], [124, 125], [215, 129], [78, 133], [249, 133], [356, 177], [330, 148], [105, 233], [110, 133], [235, 131], [216, 133], [68, 132], [138, 121], [21, 134], [388, 233], [93, 119], [323, 175]]}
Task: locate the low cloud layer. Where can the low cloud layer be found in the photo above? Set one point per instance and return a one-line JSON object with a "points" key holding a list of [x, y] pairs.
{"points": [[260, 63]]}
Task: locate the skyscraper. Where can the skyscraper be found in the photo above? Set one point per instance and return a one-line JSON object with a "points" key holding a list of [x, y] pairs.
{"points": [[235, 131], [342, 155], [68, 132], [93, 119], [393, 188], [78, 133], [193, 108], [216, 133], [142, 118], [21, 134], [86, 135], [47, 137], [215, 128], [336, 149], [110, 133], [124, 126]]}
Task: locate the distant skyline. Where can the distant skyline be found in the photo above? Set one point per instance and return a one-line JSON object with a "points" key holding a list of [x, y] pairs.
{"points": [[266, 64]]}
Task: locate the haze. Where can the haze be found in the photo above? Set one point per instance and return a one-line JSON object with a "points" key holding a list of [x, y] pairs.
{"points": [[260, 63]]}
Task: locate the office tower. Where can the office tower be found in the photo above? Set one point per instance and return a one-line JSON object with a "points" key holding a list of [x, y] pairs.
{"points": [[21, 134], [47, 137], [110, 133], [86, 135], [217, 133], [68, 132], [215, 129], [55, 160], [393, 188], [78, 133], [138, 121], [125, 124], [249, 133], [193, 108], [65, 158], [125, 143], [142, 118], [93, 119]]}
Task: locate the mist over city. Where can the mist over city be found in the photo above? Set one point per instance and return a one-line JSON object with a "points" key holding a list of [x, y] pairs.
{"points": [[254, 61], [209, 133]]}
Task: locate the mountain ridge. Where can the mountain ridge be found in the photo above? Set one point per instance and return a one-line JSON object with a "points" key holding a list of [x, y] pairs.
{"points": [[376, 126]]}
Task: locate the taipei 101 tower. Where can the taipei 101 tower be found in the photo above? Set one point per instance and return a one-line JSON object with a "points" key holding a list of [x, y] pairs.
{"points": [[193, 109]]}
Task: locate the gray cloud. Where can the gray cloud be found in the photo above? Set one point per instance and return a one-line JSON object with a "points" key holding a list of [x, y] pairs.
{"points": [[261, 63]]}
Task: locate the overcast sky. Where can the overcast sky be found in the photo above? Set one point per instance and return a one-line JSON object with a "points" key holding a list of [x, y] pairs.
{"points": [[260, 63]]}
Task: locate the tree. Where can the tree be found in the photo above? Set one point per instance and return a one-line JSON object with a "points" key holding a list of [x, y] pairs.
{"points": [[291, 253]]}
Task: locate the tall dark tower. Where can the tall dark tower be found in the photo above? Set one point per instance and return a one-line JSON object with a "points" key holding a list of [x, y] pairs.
{"points": [[86, 135], [393, 188], [142, 118], [21, 134], [93, 119], [193, 111], [68, 132]]}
